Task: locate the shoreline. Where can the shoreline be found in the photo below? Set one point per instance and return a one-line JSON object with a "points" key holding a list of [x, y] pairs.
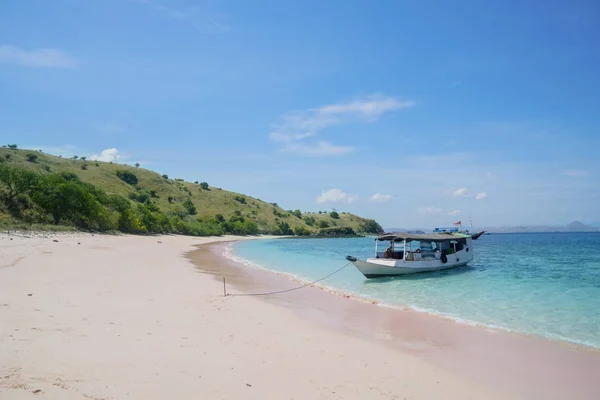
{"points": [[561, 341], [427, 335]]}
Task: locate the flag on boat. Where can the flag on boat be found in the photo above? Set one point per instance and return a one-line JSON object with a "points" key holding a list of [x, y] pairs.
{"points": [[458, 223]]}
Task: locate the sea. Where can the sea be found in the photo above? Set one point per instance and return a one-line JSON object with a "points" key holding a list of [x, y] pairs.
{"points": [[545, 284]]}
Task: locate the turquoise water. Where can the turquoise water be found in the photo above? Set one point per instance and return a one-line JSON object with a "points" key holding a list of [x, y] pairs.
{"points": [[544, 284]]}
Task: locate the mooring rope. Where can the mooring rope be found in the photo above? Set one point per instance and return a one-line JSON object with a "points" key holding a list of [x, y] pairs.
{"points": [[288, 290]]}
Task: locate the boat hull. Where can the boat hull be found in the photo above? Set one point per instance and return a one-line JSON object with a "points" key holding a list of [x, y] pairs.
{"points": [[378, 268]]}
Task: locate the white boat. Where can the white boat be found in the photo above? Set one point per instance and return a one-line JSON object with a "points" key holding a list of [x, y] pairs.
{"points": [[410, 253]]}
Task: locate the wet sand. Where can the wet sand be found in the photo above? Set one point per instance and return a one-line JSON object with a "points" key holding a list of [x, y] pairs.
{"points": [[523, 366]]}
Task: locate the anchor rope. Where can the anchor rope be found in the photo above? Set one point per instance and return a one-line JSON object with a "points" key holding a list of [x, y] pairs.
{"points": [[292, 289]]}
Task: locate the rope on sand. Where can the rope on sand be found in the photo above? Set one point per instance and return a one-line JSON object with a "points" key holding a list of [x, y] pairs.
{"points": [[282, 291]]}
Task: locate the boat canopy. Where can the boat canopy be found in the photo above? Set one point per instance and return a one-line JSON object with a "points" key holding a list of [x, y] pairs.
{"points": [[434, 237]]}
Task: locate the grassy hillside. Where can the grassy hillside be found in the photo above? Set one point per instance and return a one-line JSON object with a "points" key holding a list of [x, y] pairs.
{"points": [[175, 197]]}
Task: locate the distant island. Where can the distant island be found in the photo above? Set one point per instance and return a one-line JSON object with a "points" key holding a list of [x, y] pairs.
{"points": [[39, 191], [574, 226]]}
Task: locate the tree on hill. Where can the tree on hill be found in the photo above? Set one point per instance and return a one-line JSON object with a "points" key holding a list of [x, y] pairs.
{"points": [[137, 164], [334, 215], [83, 158], [165, 176], [371, 226], [297, 213], [12, 146], [127, 177], [16, 182], [204, 185], [322, 224], [32, 157]]}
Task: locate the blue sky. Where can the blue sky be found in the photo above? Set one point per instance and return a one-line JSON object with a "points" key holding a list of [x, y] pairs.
{"points": [[415, 113]]}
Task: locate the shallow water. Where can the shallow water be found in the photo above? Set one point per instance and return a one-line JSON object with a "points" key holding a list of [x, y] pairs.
{"points": [[544, 284]]}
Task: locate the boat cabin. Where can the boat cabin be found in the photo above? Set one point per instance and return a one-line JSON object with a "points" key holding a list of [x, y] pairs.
{"points": [[420, 247]]}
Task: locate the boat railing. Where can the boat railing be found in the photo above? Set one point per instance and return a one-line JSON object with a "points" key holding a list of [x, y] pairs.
{"points": [[410, 255]]}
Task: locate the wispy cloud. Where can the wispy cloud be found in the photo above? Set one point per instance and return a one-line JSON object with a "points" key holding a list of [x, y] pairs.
{"points": [[481, 196], [297, 126], [429, 210], [319, 149], [380, 198], [576, 173], [454, 212], [206, 21], [336, 196], [461, 192], [37, 58]]}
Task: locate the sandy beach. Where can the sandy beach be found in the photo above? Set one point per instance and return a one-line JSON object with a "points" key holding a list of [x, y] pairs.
{"points": [[112, 317]]}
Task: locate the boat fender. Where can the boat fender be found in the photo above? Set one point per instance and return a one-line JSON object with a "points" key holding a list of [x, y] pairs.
{"points": [[351, 259], [444, 258]]}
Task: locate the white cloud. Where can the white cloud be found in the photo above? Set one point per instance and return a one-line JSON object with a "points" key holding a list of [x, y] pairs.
{"points": [[107, 155], [319, 149], [481, 196], [380, 198], [336, 196], [299, 125], [461, 192], [455, 212], [429, 210], [576, 173], [39, 58]]}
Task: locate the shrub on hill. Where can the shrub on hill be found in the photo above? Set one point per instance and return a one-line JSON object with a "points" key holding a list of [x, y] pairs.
{"points": [[204, 186], [334, 215], [32, 157]]}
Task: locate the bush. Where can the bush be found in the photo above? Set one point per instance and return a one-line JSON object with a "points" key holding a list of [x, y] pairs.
{"points": [[47, 168], [284, 229], [32, 157], [297, 214], [322, 224], [189, 207], [334, 215], [127, 177], [165, 176], [12, 146], [310, 221], [7, 156], [170, 199], [301, 231], [84, 167], [204, 186], [240, 199], [154, 194]]}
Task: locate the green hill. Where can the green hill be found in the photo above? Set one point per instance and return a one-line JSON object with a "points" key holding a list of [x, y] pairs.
{"points": [[134, 199]]}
